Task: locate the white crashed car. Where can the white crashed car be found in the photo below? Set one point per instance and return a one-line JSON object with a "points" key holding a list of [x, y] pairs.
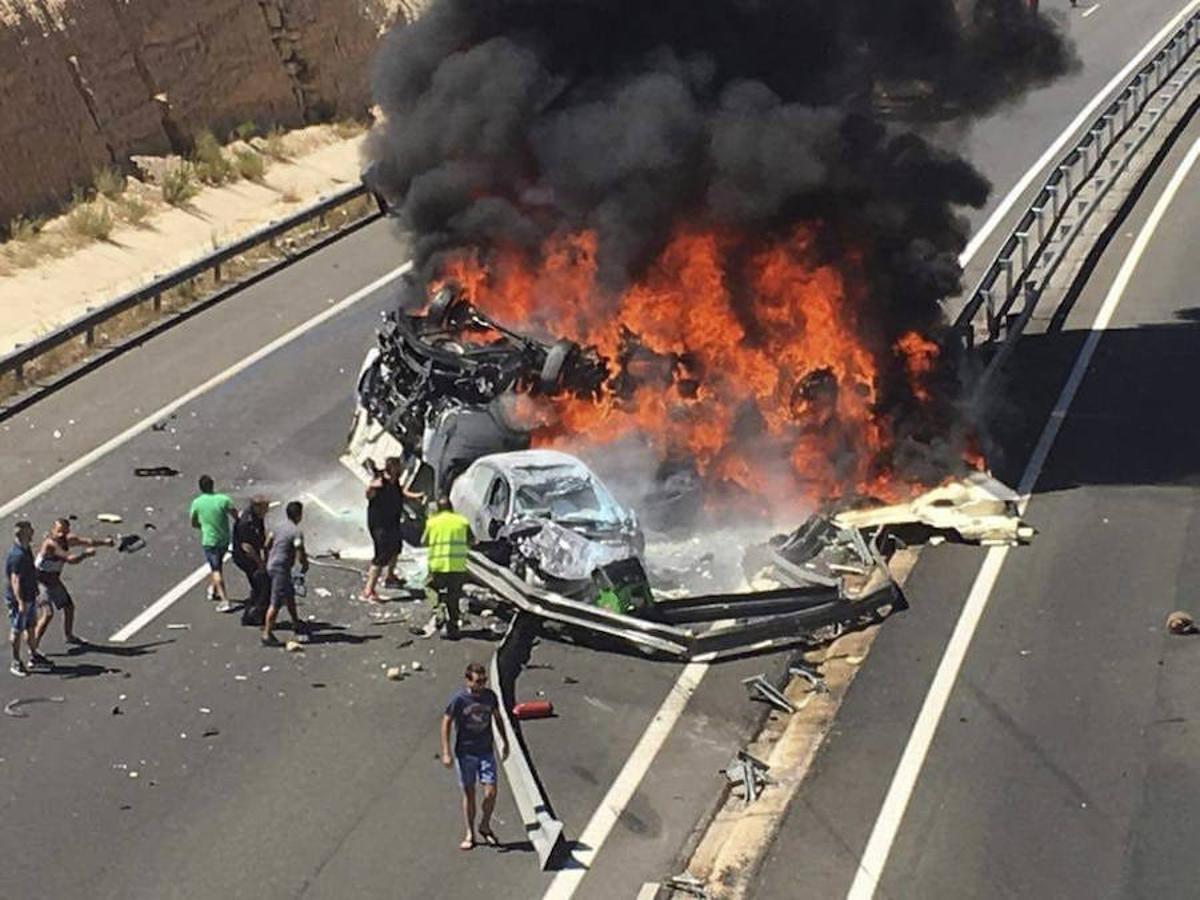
{"points": [[562, 522]]}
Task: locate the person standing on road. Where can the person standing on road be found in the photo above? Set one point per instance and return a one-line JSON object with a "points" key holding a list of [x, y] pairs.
{"points": [[53, 554], [285, 548], [250, 555], [471, 711], [385, 512], [212, 513], [20, 594], [447, 537]]}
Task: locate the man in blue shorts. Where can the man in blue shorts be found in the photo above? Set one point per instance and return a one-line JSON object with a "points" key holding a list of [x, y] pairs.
{"points": [[20, 593], [471, 711]]}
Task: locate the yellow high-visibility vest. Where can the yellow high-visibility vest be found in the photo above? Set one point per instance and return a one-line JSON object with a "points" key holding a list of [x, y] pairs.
{"points": [[446, 537]]}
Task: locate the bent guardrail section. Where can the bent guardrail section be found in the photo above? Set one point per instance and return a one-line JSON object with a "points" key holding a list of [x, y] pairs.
{"points": [[542, 827]]}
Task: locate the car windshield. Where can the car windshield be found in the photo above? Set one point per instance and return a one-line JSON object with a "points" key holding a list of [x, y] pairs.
{"points": [[564, 494]]}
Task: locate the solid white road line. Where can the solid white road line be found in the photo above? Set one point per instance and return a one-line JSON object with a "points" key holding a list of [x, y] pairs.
{"points": [[1053, 151], [159, 606], [220, 378], [567, 881], [895, 803]]}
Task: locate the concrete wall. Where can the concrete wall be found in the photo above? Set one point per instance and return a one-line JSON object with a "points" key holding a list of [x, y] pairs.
{"points": [[87, 83]]}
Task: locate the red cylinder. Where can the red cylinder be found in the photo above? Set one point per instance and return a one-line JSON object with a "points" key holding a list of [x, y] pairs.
{"points": [[533, 709]]}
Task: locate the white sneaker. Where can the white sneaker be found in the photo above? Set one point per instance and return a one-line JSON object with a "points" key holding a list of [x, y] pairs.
{"points": [[225, 607], [17, 668]]}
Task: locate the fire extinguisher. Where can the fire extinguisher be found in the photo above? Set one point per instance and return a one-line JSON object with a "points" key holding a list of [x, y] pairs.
{"points": [[533, 709]]}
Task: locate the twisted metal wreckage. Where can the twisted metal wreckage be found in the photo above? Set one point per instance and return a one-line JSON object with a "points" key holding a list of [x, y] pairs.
{"points": [[434, 390]]}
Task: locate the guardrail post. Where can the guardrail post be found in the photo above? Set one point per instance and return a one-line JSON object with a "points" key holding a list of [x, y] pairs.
{"points": [[1006, 264], [216, 272], [1053, 191], [1037, 217], [1023, 240], [156, 302], [1065, 168], [89, 336]]}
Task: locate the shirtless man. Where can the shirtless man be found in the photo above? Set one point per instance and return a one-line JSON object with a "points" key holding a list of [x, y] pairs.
{"points": [[53, 554]]}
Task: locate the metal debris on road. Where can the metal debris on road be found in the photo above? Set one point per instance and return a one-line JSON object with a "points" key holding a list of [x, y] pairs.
{"points": [[156, 471], [760, 688], [815, 682], [130, 543], [750, 772], [687, 883]]}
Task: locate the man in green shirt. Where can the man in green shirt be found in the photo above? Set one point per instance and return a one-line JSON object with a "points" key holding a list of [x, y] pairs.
{"points": [[213, 514]]}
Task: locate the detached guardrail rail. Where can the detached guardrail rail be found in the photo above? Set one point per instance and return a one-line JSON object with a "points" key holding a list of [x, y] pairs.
{"points": [[1040, 242], [85, 328]]}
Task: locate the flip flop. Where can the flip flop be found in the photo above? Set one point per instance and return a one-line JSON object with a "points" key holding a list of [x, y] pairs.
{"points": [[467, 845], [489, 838]]}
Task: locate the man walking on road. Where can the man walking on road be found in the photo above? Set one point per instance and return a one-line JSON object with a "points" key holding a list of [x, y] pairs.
{"points": [[250, 555], [20, 594], [285, 548], [212, 513], [447, 537], [471, 711], [53, 554]]}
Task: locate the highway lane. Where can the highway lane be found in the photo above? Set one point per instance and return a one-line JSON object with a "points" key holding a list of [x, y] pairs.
{"points": [[365, 784], [1065, 762]]}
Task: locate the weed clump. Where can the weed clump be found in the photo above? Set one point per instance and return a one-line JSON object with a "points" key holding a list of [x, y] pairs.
{"points": [[179, 185]]}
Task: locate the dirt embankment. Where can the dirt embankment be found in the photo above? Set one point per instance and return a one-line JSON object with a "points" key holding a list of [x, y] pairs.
{"points": [[88, 83]]}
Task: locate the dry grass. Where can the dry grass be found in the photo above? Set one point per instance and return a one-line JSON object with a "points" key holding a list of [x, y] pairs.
{"points": [[91, 219], [23, 229], [244, 132], [108, 182], [179, 185], [209, 160], [276, 145], [250, 165], [134, 210]]}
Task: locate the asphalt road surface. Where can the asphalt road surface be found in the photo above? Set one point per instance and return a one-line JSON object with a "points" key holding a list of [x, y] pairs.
{"points": [[1066, 760], [190, 762]]}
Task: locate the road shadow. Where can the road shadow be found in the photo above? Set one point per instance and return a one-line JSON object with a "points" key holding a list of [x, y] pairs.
{"points": [[125, 651], [1132, 421], [327, 633]]}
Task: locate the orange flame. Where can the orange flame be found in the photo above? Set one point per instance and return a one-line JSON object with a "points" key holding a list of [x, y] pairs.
{"points": [[750, 361]]}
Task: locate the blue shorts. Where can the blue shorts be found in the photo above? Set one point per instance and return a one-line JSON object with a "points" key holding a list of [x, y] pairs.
{"points": [[215, 557], [473, 767], [19, 622]]}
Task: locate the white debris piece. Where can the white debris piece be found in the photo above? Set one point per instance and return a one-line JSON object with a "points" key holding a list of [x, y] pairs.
{"points": [[977, 509], [109, 517], [416, 666]]}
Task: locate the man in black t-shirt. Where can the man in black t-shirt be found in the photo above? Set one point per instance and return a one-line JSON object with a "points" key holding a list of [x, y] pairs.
{"points": [[249, 555], [471, 712], [385, 514]]}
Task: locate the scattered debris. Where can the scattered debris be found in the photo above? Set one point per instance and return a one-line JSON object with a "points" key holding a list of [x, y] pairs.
{"points": [[567, 679], [293, 646], [179, 626], [111, 518], [395, 673], [130, 543], [13, 707], [761, 689], [156, 471], [416, 666], [815, 682], [323, 592], [750, 772], [1180, 622], [116, 711], [687, 883], [533, 709], [210, 732]]}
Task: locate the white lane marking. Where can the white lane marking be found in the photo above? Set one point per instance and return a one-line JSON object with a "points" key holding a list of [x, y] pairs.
{"points": [[567, 881], [1056, 148], [159, 606], [1091, 9], [895, 803], [220, 378]]}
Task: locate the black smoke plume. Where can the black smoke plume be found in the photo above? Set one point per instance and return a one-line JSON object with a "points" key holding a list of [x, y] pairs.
{"points": [[507, 121]]}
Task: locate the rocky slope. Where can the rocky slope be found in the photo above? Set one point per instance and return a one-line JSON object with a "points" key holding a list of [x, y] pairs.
{"points": [[87, 83]]}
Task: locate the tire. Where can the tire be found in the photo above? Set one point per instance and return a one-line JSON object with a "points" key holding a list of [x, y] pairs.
{"points": [[555, 365]]}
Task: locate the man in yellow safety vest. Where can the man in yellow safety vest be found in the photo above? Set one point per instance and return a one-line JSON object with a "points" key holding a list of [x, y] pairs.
{"points": [[447, 538]]}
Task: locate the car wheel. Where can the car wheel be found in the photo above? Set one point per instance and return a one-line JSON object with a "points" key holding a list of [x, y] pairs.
{"points": [[555, 364]]}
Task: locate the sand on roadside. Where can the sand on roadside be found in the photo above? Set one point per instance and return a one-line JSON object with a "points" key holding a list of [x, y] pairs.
{"points": [[40, 298]]}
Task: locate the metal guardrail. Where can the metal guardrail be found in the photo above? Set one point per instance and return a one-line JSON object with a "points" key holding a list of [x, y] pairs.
{"points": [[86, 325], [542, 826], [1036, 247]]}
